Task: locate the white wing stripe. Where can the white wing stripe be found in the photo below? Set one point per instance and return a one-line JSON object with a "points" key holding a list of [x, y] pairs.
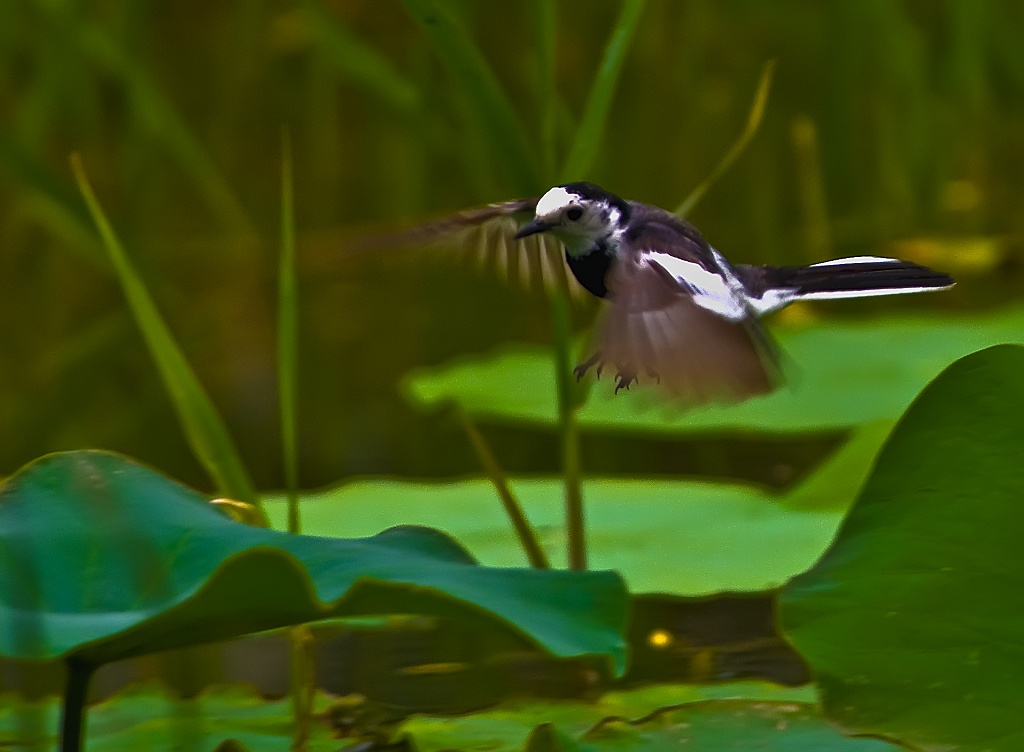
{"points": [[709, 290], [858, 260], [838, 295]]}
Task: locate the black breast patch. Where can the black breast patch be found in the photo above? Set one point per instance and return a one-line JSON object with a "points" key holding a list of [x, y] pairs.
{"points": [[590, 270]]}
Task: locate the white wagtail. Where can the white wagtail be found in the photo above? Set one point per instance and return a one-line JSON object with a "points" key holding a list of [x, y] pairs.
{"points": [[679, 313]]}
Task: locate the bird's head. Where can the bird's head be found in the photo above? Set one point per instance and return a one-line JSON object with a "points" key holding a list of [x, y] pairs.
{"points": [[578, 214]]}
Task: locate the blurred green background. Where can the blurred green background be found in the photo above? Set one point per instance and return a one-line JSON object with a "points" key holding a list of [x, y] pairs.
{"points": [[892, 128]]}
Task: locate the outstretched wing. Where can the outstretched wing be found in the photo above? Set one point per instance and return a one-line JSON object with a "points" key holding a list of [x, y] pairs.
{"points": [[675, 319], [484, 236]]}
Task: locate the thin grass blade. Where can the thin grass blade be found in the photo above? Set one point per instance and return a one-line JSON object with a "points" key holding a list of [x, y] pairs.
{"points": [[753, 123], [54, 203], [567, 390], [547, 23], [165, 125], [353, 58], [203, 426], [288, 336], [569, 399], [595, 115], [301, 659], [517, 516], [483, 96]]}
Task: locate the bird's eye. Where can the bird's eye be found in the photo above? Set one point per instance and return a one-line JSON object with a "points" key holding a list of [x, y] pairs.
{"points": [[574, 213]]}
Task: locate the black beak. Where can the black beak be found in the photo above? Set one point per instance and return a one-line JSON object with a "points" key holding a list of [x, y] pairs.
{"points": [[532, 228]]}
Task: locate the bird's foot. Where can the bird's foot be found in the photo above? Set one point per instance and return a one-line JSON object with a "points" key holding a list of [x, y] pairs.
{"points": [[624, 379], [594, 360]]}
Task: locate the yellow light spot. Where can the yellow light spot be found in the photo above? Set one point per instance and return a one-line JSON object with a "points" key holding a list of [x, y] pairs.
{"points": [[239, 511], [796, 315], [659, 638], [974, 254], [962, 196]]}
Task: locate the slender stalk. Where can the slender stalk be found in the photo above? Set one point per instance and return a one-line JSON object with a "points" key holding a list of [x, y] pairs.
{"points": [[575, 531], [287, 336], [547, 21], [568, 430], [757, 108], [204, 428], [303, 684], [72, 720], [524, 531], [811, 184], [587, 139], [585, 144], [302, 677], [486, 102]]}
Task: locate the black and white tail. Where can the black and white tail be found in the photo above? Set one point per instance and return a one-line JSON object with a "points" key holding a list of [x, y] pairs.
{"points": [[769, 288]]}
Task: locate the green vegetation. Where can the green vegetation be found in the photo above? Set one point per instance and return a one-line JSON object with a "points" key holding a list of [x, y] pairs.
{"points": [[887, 554], [917, 606]]}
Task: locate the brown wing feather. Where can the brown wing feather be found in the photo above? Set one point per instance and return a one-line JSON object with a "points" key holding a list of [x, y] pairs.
{"points": [[654, 330], [484, 236]]}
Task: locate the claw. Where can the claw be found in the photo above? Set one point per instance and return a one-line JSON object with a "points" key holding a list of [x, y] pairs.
{"points": [[581, 370], [625, 380], [624, 377]]}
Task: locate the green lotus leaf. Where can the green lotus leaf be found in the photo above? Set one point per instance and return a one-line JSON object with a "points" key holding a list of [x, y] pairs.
{"points": [[667, 536], [840, 374], [712, 726], [749, 715], [744, 716], [102, 558], [147, 717], [914, 620]]}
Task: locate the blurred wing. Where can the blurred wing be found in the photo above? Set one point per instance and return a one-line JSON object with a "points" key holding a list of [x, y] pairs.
{"points": [[698, 353], [484, 236]]}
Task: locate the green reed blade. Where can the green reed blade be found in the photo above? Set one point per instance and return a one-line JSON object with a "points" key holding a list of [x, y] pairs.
{"points": [[483, 96], [203, 426], [288, 336], [764, 85], [595, 115], [357, 60]]}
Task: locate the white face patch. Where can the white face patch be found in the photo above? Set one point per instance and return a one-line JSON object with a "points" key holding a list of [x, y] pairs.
{"points": [[554, 201]]}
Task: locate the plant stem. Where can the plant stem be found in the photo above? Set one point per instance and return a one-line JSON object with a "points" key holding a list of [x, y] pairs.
{"points": [[72, 721], [811, 183], [303, 684], [203, 426], [524, 531], [547, 21], [754, 117], [587, 139], [287, 336], [575, 532]]}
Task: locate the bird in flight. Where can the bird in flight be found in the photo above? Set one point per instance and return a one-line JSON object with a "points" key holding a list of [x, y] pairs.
{"points": [[678, 312]]}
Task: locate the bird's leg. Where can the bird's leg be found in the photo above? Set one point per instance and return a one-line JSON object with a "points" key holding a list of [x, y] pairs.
{"points": [[581, 370]]}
